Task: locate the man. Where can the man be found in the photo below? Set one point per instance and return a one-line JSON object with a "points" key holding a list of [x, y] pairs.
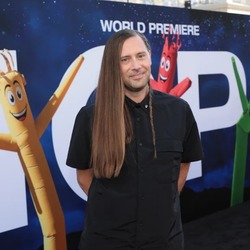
{"points": [[132, 150]]}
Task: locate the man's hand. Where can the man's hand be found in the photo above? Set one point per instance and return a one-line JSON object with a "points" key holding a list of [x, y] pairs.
{"points": [[183, 175], [84, 179]]}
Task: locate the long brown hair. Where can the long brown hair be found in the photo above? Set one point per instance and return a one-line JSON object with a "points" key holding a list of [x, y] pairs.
{"points": [[112, 128]]}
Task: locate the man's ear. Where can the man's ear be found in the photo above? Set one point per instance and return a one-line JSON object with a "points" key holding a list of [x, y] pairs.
{"points": [[150, 54]]}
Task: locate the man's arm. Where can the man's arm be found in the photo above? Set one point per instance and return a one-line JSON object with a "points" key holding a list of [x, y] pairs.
{"points": [[84, 179], [183, 175]]}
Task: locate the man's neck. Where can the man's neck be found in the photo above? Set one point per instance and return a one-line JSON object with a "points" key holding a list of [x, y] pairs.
{"points": [[139, 96]]}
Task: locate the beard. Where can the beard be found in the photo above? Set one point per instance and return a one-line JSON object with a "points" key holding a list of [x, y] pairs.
{"points": [[129, 86], [135, 89]]}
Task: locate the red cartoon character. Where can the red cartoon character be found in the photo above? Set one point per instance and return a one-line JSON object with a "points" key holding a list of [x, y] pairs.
{"points": [[167, 69]]}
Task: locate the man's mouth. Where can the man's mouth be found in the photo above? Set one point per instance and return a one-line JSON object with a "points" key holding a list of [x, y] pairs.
{"points": [[21, 115], [137, 76]]}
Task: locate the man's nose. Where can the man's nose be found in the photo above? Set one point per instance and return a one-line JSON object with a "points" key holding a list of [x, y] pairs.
{"points": [[135, 64]]}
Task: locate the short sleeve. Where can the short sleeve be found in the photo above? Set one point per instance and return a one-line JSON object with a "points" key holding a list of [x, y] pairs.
{"points": [[192, 148], [80, 144]]}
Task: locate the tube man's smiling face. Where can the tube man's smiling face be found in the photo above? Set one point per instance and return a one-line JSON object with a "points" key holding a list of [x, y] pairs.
{"points": [[13, 96], [164, 70]]}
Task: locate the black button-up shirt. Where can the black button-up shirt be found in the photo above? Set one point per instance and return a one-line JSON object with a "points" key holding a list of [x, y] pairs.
{"points": [[140, 208]]}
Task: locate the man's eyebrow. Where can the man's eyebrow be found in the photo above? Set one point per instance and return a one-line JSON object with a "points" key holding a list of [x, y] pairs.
{"points": [[138, 53], [125, 56]]}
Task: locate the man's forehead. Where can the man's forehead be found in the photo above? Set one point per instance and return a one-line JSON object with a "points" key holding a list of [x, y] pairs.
{"points": [[133, 45]]}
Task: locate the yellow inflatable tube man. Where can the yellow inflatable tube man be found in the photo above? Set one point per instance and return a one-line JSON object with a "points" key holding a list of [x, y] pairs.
{"points": [[24, 136]]}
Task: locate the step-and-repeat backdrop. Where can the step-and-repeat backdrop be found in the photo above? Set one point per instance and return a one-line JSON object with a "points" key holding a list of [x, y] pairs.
{"points": [[42, 39]]}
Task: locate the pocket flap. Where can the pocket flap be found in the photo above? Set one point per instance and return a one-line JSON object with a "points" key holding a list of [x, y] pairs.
{"points": [[169, 145]]}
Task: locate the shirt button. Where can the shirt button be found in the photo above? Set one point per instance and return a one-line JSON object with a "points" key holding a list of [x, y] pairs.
{"points": [[138, 119], [140, 144]]}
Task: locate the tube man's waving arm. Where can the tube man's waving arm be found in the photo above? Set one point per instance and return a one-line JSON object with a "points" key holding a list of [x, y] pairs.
{"points": [[49, 110], [7, 143], [241, 144]]}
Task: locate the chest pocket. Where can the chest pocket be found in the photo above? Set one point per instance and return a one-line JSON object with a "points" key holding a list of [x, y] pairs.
{"points": [[169, 153]]}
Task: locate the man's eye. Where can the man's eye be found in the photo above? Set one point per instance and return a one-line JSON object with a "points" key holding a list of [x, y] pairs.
{"points": [[124, 60], [141, 56]]}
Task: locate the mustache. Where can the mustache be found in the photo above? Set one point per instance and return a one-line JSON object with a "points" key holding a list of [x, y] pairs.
{"points": [[137, 72]]}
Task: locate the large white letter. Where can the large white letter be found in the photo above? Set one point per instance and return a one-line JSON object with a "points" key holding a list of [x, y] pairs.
{"points": [[193, 64], [62, 123]]}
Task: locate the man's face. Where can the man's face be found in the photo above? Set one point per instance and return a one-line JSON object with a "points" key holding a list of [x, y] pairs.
{"points": [[135, 65]]}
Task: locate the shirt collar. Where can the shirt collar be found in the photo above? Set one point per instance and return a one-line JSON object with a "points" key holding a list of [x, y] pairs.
{"points": [[144, 104]]}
